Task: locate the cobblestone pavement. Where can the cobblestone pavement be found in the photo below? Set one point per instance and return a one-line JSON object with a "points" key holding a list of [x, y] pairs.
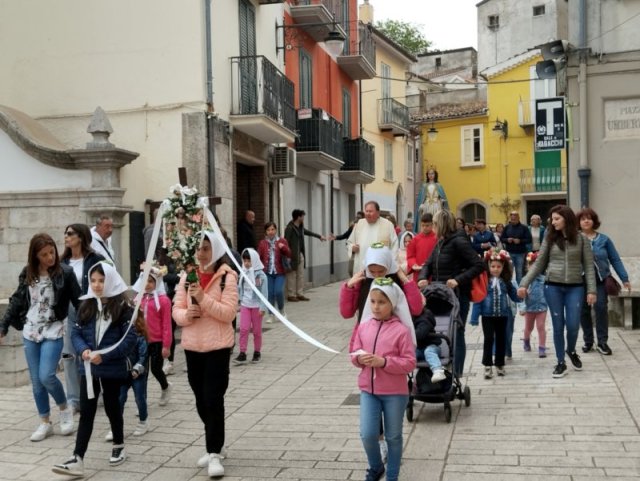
{"points": [[293, 417]]}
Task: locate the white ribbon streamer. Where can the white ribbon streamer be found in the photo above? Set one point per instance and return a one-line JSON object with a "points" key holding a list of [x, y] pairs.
{"points": [[204, 204]]}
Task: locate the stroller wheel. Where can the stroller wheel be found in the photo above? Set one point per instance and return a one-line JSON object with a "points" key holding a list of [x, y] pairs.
{"points": [[467, 396], [447, 412], [410, 411]]}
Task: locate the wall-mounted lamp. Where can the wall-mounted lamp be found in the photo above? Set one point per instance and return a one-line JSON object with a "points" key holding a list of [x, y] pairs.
{"points": [[432, 133], [334, 40], [501, 127]]}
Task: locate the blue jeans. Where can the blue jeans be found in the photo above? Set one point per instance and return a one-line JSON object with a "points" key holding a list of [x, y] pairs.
{"points": [[70, 362], [139, 386], [602, 317], [565, 304], [518, 265], [431, 354], [42, 359], [372, 408], [276, 290]]}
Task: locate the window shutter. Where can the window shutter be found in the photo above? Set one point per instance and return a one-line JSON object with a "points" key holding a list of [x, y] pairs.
{"points": [[248, 62]]}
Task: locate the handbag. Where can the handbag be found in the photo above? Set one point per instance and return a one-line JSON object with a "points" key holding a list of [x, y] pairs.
{"points": [[286, 263], [611, 286], [479, 287]]}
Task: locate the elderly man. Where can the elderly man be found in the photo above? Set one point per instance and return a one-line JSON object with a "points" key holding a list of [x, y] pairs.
{"points": [[246, 234], [515, 238], [101, 237], [370, 230]]}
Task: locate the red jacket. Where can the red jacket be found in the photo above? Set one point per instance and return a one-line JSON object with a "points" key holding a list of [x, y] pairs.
{"points": [[390, 339], [419, 250], [282, 247], [158, 321]]}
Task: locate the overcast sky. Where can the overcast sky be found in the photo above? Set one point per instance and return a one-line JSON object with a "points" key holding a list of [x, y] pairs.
{"points": [[447, 24]]}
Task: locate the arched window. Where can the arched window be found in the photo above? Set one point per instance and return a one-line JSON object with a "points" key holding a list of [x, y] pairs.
{"points": [[473, 211]]}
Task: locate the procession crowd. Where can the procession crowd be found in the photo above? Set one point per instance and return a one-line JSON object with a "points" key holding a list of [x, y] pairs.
{"points": [[77, 308]]}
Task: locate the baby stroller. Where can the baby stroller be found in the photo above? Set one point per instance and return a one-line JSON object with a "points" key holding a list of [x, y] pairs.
{"points": [[444, 305]]}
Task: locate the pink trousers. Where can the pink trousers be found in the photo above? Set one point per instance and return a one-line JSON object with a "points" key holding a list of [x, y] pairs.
{"points": [[250, 320]]}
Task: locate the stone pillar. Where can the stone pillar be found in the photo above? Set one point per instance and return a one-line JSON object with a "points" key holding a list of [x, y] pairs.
{"points": [[14, 370]]}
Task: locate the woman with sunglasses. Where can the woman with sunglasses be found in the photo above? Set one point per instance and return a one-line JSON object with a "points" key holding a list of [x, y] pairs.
{"points": [[78, 255]]}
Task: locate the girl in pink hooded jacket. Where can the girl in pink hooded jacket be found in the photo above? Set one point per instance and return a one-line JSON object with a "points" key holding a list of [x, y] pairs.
{"points": [[384, 348]]}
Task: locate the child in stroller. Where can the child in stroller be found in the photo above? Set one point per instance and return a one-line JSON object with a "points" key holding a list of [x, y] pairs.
{"points": [[428, 341]]}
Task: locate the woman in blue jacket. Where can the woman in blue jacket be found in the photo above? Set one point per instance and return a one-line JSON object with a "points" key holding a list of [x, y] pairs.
{"points": [[105, 341], [605, 256]]}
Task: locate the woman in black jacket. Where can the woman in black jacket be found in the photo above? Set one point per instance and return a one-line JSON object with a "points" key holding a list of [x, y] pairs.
{"points": [[455, 263], [38, 308], [78, 255]]}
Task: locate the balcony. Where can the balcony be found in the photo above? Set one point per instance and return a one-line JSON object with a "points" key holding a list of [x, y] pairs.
{"points": [[526, 113], [262, 100], [319, 141], [544, 180], [359, 57], [359, 162], [318, 12], [393, 117], [269, 2]]}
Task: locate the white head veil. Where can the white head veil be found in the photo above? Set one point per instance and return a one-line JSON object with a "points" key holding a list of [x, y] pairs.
{"points": [[398, 301], [113, 283], [157, 274], [379, 254], [217, 246], [401, 242], [256, 264]]}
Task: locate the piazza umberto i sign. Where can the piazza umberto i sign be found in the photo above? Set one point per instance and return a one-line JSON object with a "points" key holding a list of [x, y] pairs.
{"points": [[622, 118]]}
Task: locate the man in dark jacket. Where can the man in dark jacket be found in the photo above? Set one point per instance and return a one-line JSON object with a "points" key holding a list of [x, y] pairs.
{"points": [[294, 234], [246, 235], [515, 238], [483, 239]]}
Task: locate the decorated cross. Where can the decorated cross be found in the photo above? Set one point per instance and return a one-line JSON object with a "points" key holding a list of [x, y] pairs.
{"points": [[182, 178]]}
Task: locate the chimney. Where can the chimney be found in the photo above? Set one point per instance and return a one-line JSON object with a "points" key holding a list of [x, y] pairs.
{"points": [[365, 12]]}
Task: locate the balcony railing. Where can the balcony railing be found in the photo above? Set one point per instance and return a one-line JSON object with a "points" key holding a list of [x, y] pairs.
{"points": [[359, 155], [362, 45], [258, 87], [320, 132], [333, 6], [394, 116], [548, 179]]}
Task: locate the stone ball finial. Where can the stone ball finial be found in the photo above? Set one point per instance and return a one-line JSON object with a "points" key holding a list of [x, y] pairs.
{"points": [[100, 128]]}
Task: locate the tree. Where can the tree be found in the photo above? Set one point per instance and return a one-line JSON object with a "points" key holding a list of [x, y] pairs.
{"points": [[406, 34]]}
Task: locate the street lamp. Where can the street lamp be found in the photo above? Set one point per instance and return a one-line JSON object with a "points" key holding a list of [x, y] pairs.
{"points": [[501, 127], [432, 133], [334, 40]]}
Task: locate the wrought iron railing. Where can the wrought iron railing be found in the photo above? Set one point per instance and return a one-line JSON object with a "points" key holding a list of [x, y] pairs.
{"points": [[547, 179], [333, 6], [362, 45], [258, 87], [393, 113], [359, 155], [320, 132]]}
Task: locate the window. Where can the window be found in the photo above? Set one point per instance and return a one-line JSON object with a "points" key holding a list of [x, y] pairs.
{"points": [[346, 113], [541, 88], [411, 155], [306, 85], [388, 160], [493, 22], [438, 62], [386, 80], [472, 151], [538, 10], [473, 211]]}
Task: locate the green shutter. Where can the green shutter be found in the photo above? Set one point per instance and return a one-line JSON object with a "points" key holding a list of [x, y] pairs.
{"points": [[306, 83], [248, 62]]}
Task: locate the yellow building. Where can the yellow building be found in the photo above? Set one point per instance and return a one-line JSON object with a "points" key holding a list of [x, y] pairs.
{"points": [[385, 123], [485, 154]]}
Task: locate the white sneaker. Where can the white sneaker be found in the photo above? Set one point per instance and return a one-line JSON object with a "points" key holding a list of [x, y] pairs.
{"points": [[66, 421], [216, 469], [72, 467], [383, 450], [108, 436], [203, 461], [268, 319], [44, 430], [488, 372], [141, 428], [438, 375], [165, 395], [167, 368]]}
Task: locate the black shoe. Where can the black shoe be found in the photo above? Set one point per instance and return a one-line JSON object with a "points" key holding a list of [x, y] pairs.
{"points": [[560, 370], [117, 456], [241, 359], [373, 475], [575, 360], [604, 349], [587, 347], [256, 357]]}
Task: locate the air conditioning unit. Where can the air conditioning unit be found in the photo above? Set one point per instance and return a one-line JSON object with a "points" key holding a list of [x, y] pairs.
{"points": [[283, 162]]}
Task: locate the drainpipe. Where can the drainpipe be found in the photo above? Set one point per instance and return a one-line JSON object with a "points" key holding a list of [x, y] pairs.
{"points": [[584, 172], [211, 121], [361, 135], [331, 244]]}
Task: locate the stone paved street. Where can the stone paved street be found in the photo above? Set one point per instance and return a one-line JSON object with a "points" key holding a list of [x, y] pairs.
{"points": [[290, 417]]}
